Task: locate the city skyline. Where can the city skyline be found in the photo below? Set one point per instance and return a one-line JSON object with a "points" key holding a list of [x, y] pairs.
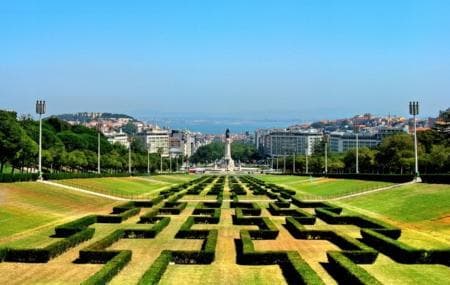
{"points": [[304, 60]]}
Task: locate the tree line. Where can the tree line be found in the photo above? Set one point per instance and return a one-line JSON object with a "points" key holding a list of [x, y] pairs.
{"points": [[67, 147], [394, 155]]}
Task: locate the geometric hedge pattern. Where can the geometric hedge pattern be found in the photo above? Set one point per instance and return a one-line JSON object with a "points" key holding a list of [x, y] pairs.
{"points": [[256, 227]]}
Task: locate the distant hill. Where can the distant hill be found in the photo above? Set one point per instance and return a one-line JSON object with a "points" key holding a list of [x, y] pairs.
{"points": [[85, 117]]}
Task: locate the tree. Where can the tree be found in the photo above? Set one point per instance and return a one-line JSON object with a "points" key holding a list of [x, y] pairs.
{"points": [[395, 154], [13, 139], [366, 158]]}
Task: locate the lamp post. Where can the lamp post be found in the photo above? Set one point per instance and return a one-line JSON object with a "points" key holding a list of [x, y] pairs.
{"points": [[326, 154], [284, 163], [293, 164], [148, 161], [414, 110], [129, 156], [99, 126], [357, 150], [40, 109], [306, 164]]}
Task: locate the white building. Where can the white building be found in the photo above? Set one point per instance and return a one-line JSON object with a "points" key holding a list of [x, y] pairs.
{"points": [[155, 139], [120, 138], [287, 142]]}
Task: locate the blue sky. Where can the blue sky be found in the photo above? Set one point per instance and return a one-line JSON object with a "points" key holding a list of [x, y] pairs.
{"points": [[305, 59]]}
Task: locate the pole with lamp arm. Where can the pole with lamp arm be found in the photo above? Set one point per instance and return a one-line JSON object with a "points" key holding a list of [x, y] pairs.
{"points": [[40, 109], [357, 150], [326, 154], [414, 110], [99, 126], [129, 155]]}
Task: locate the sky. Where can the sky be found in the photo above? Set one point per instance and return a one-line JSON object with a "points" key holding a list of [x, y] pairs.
{"points": [[302, 59]]}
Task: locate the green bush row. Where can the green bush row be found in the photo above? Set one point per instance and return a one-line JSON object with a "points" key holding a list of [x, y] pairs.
{"points": [[157, 269], [358, 220], [160, 224], [294, 268], [173, 208], [75, 226], [17, 177], [40, 255], [346, 271], [117, 219], [111, 268], [355, 250], [403, 253], [71, 175]]}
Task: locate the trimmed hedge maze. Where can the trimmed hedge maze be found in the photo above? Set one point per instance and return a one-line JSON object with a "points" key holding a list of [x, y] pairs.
{"points": [[258, 213]]}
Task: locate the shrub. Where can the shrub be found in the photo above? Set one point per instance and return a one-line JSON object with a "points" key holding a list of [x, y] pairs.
{"points": [[75, 226], [297, 271], [8, 177], [404, 253], [110, 269], [348, 272], [41, 255], [157, 269]]}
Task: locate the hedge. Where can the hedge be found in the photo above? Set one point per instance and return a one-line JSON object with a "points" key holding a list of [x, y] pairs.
{"points": [[8, 177], [436, 178], [42, 255], [348, 272], [75, 226], [157, 269], [403, 253], [71, 175], [297, 271], [117, 219], [294, 268], [358, 220], [110, 269], [173, 208], [355, 250], [149, 233]]}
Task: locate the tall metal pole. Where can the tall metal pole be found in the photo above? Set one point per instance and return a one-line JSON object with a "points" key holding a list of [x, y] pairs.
{"points": [[293, 164], [326, 154], [284, 163], [357, 153], [170, 162], [306, 164], [40, 109], [98, 153], [40, 147], [129, 158], [160, 155], [277, 163], [148, 161], [414, 110]]}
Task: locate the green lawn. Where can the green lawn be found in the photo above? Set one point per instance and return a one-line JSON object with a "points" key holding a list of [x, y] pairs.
{"points": [[307, 187], [129, 187], [421, 210], [25, 206]]}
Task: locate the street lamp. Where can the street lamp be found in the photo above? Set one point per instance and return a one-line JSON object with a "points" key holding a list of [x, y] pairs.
{"points": [[99, 128], [306, 164], [40, 109], [414, 110], [129, 155], [293, 164], [148, 161], [357, 150], [326, 153]]}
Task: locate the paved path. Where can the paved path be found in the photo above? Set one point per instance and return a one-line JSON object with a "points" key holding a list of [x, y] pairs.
{"points": [[82, 190]]}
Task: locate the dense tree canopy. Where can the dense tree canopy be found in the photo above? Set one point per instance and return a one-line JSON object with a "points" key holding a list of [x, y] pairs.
{"points": [[66, 147]]}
